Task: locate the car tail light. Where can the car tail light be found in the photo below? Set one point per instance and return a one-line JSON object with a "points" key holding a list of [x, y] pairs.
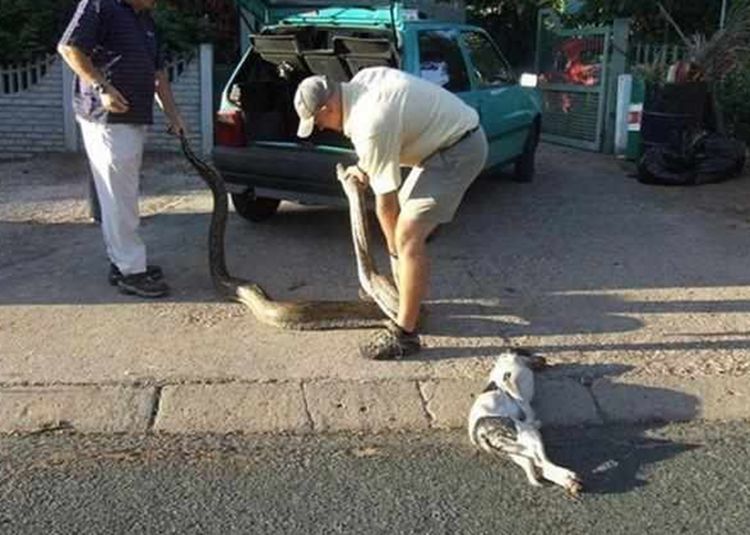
{"points": [[230, 129]]}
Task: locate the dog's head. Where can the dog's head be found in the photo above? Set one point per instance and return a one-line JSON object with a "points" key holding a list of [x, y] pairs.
{"points": [[514, 373]]}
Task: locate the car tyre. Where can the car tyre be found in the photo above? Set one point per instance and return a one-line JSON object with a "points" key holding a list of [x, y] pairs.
{"points": [[252, 208], [524, 166]]}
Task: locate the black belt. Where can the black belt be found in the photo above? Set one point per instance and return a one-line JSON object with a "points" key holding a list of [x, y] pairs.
{"points": [[466, 134]]}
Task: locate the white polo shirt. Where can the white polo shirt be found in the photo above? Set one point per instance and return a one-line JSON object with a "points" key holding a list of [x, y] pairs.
{"points": [[395, 119]]}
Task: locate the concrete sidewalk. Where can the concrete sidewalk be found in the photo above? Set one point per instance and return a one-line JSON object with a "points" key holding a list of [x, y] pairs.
{"points": [[638, 296]]}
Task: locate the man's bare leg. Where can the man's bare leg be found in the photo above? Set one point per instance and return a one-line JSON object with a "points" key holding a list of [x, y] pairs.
{"points": [[413, 269], [408, 241]]}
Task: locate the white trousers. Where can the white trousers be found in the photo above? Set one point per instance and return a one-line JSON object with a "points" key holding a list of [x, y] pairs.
{"points": [[115, 153]]}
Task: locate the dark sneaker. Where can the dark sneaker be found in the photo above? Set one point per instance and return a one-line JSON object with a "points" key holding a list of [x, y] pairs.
{"points": [[390, 343], [142, 285], [115, 275]]}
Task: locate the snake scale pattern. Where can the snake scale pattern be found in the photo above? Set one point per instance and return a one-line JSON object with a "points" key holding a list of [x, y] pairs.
{"points": [[300, 315]]}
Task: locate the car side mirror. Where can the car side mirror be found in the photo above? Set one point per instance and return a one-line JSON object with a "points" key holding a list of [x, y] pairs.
{"points": [[528, 80]]}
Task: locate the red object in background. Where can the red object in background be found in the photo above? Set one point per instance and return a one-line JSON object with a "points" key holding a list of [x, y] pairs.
{"points": [[576, 71], [229, 130], [571, 68]]}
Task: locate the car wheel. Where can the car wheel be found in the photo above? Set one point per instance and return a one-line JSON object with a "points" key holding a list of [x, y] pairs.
{"points": [[252, 208], [524, 167]]}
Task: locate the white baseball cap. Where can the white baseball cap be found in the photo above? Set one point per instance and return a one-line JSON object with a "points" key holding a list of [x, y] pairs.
{"points": [[312, 94]]}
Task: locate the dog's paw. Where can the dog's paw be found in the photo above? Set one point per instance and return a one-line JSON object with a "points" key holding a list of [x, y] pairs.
{"points": [[573, 486]]}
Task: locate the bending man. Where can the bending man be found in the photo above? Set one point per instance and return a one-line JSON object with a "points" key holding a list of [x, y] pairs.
{"points": [[394, 119]]}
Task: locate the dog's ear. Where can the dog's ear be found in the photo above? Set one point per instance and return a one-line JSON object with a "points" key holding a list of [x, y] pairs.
{"points": [[536, 362], [533, 360]]}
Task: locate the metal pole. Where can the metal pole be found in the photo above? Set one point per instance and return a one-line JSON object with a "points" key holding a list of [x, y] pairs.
{"points": [[723, 18]]}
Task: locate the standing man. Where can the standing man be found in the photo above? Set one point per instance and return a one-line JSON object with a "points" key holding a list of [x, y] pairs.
{"points": [[111, 46], [395, 119]]}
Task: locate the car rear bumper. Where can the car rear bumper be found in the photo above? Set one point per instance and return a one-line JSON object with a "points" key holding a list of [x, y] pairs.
{"points": [[285, 168]]}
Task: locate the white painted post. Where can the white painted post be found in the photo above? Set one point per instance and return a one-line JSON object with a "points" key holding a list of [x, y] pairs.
{"points": [[617, 66], [624, 89], [207, 97], [69, 118]]}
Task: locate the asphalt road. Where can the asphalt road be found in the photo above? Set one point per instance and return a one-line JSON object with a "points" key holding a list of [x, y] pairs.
{"points": [[678, 479]]}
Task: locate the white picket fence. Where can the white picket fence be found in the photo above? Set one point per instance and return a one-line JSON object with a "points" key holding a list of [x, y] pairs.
{"points": [[15, 78], [36, 112], [646, 53]]}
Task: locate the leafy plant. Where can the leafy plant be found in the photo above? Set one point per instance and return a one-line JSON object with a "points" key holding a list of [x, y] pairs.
{"points": [[647, 24], [653, 73], [716, 56], [511, 23], [30, 29], [181, 27], [734, 96]]}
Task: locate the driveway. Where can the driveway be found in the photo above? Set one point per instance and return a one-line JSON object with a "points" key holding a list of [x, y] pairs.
{"points": [[605, 276]]}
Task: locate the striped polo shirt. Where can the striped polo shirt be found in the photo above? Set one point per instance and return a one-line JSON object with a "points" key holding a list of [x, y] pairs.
{"points": [[122, 44]]}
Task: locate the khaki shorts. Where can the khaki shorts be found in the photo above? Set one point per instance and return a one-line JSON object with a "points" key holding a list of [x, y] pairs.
{"points": [[433, 191]]}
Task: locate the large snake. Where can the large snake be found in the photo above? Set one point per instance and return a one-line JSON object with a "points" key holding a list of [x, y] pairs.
{"points": [[302, 315]]}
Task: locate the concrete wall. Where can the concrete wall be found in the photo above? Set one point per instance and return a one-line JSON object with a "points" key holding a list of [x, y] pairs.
{"points": [[187, 92], [32, 119], [36, 107]]}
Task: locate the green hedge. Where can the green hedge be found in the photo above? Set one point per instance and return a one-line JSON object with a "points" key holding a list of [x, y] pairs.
{"points": [[180, 29], [29, 29]]}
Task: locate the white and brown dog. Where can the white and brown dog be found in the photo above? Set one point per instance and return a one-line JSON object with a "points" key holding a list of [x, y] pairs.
{"points": [[502, 421]]}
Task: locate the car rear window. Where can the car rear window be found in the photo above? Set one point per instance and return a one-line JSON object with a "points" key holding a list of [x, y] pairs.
{"points": [[440, 60]]}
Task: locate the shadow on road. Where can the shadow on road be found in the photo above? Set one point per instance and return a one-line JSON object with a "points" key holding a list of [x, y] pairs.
{"points": [[615, 459]]}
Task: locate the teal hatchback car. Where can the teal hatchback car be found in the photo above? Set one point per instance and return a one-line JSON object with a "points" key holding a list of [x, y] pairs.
{"points": [[256, 147]]}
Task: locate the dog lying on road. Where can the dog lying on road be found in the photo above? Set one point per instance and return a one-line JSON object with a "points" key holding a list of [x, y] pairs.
{"points": [[502, 421]]}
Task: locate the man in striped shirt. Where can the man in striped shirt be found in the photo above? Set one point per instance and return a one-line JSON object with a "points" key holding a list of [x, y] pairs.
{"points": [[111, 46]]}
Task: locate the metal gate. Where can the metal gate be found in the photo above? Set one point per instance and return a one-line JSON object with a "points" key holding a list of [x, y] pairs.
{"points": [[573, 67]]}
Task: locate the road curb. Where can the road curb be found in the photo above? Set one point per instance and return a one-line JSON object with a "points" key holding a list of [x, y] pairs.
{"points": [[329, 405], [673, 398], [88, 409], [232, 407]]}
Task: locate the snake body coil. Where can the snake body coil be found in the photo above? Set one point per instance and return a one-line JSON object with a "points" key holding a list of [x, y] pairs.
{"points": [[301, 315]]}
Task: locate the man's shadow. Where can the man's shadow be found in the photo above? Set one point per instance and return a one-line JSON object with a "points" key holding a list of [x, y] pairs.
{"points": [[610, 458]]}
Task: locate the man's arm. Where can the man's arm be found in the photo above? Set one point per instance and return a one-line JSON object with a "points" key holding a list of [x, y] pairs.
{"points": [[81, 64], [165, 99]]}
